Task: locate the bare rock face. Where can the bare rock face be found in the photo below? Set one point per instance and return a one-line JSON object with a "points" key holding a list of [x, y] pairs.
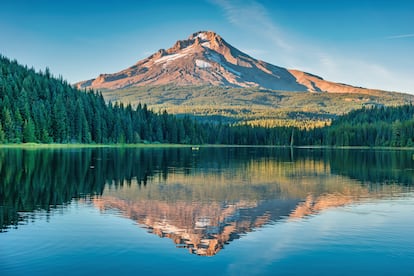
{"points": [[205, 58]]}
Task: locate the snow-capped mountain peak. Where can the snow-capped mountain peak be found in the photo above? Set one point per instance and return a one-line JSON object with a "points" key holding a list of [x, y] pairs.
{"points": [[205, 58]]}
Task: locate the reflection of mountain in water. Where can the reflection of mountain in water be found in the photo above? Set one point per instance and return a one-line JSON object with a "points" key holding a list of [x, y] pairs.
{"points": [[203, 228], [213, 205], [201, 200]]}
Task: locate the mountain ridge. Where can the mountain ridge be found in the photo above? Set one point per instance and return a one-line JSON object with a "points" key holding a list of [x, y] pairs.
{"points": [[205, 58]]}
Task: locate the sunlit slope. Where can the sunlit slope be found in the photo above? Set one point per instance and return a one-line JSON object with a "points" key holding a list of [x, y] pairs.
{"points": [[253, 105]]}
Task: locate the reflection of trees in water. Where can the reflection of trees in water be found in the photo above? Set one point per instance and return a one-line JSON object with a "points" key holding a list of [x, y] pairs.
{"points": [[44, 179], [32, 180], [374, 167]]}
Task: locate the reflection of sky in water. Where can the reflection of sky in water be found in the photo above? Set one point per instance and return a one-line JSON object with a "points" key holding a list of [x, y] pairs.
{"points": [[83, 240], [368, 237], [371, 237]]}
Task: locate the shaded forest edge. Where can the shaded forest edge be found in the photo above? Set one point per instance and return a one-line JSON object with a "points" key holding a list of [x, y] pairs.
{"points": [[36, 107]]}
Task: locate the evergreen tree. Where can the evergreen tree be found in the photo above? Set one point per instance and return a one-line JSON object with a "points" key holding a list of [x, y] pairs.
{"points": [[396, 140], [28, 131], [18, 126], [8, 125], [59, 120], [2, 135]]}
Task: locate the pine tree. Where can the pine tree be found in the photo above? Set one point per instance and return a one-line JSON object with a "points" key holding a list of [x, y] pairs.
{"points": [[18, 126], [396, 134], [2, 135], [59, 121], [28, 131], [78, 124], [8, 125]]}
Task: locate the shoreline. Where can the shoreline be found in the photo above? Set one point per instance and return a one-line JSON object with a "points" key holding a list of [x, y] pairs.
{"points": [[165, 145]]}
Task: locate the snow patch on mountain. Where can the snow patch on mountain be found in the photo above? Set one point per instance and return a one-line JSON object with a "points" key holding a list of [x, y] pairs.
{"points": [[202, 64], [206, 44], [170, 57], [202, 35]]}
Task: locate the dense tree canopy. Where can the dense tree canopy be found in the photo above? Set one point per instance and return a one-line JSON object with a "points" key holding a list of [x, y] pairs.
{"points": [[36, 107], [377, 126]]}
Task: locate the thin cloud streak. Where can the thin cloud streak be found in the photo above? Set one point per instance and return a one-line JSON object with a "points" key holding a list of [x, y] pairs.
{"points": [[253, 16], [290, 51], [400, 36]]}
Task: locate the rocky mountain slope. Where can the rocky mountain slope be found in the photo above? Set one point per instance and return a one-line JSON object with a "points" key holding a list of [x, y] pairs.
{"points": [[205, 58]]}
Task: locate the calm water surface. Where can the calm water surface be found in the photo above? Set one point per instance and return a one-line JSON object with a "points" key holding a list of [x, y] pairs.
{"points": [[227, 211]]}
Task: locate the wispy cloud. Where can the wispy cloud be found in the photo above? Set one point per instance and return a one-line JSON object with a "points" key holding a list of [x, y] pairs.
{"points": [[400, 36], [251, 15], [295, 51]]}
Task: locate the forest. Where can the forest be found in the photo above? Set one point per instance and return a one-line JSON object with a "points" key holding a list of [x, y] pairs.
{"points": [[37, 107]]}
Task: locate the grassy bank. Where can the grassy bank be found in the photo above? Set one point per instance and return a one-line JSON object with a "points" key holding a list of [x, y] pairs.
{"points": [[68, 146]]}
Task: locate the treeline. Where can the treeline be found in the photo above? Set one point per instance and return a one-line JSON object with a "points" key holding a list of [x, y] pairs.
{"points": [[36, 107], [377, 126]]}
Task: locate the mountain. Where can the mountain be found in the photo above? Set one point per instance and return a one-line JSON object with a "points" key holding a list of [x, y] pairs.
{"points": [[207, 78], [205, 58]]}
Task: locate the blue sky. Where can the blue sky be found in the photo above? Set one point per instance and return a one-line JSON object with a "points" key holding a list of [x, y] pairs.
{"points": [[366, 43]]}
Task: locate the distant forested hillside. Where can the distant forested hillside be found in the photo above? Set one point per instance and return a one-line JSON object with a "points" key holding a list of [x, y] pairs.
{"points": [[254, 105], [37, 107]]}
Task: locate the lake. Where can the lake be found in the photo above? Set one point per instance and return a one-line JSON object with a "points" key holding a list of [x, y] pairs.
{"points": [[216, 210]]}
